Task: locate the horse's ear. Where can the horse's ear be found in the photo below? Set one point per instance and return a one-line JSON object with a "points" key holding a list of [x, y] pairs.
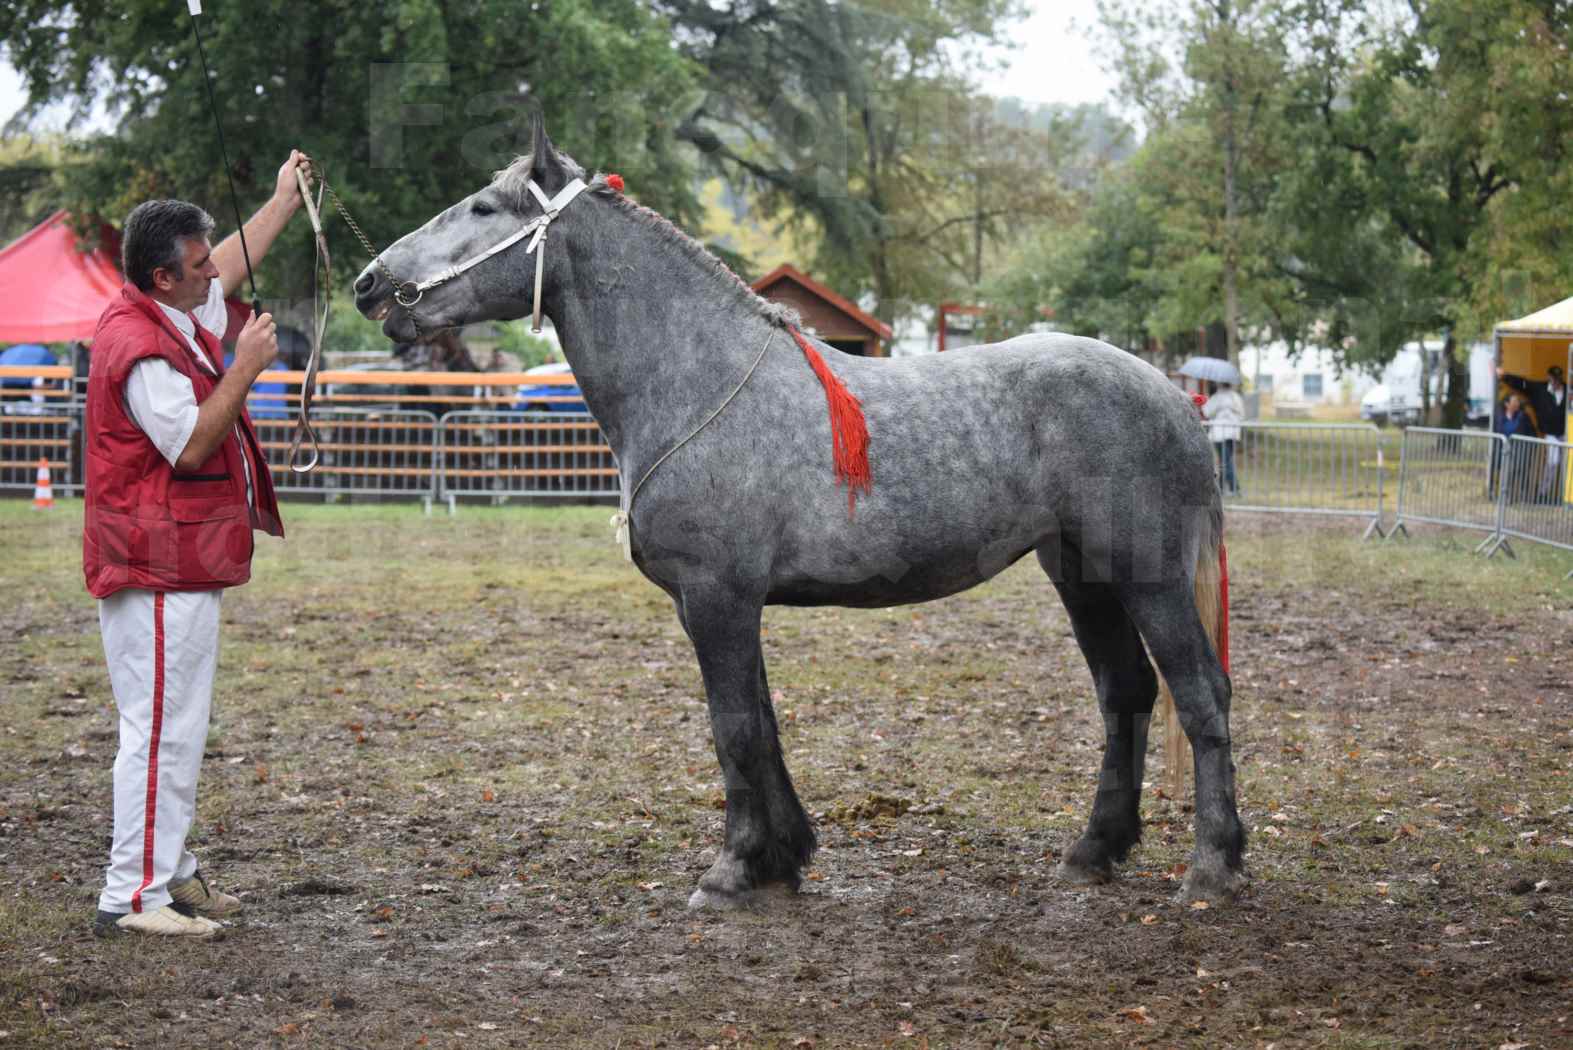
{"points": [[545, 168], [540, 145]]}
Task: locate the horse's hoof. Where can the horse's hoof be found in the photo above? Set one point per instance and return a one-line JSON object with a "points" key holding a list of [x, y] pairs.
{"points": [[1086, 863], [704, 899], [1081, 875], [1214, 883]]}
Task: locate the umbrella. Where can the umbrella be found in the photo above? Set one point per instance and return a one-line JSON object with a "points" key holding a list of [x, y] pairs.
{"points": [[25, 355], [1214, 369]]}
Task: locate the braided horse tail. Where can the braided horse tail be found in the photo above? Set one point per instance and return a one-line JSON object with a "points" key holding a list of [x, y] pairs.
{"points": [[1212, 605]]}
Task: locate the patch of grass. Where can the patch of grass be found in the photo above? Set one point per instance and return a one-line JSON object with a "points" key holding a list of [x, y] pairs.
{"points": [[1431, 569], [493, 728]]}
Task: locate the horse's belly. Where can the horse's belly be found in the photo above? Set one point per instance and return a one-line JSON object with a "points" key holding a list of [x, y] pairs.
{"points": [[888, 578]]}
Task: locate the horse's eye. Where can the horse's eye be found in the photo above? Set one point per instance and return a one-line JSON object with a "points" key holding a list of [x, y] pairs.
{"points": [[481, 208]]}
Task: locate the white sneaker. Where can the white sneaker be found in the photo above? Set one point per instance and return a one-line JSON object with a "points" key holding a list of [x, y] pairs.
{"points": [[167, 921], [195, 893]]}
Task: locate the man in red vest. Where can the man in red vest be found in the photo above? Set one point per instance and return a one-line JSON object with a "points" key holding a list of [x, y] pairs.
{"points": [[176, 482]]}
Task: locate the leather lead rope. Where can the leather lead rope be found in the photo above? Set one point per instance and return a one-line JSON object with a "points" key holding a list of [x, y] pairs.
{"points": [[320, 306]]}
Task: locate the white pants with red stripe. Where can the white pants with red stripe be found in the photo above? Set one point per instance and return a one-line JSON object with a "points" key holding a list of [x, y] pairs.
{"points": [[162, 648]]}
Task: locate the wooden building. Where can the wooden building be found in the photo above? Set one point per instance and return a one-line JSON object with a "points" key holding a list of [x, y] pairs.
{"points": [[836, 320]]}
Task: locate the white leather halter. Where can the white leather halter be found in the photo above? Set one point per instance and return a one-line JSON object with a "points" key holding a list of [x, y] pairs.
{"points": [[550, 209]]}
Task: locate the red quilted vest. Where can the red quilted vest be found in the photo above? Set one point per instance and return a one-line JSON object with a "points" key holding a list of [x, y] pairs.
{"points": [[145, 524]]}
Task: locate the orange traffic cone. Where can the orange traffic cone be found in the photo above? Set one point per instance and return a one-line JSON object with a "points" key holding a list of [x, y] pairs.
{"points": [[43, 492]]}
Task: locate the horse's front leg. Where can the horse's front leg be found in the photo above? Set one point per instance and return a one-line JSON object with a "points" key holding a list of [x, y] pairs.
{"points": [[769, 838]]}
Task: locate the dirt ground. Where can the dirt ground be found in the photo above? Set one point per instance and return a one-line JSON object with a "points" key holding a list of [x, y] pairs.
{"points": [[460, 773]]}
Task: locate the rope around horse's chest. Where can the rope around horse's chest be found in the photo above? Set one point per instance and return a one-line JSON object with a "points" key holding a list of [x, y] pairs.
{"points": [[620, 519], [848, 435]]}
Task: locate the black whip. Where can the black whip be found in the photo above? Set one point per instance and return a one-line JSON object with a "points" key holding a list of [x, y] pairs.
{"points": [[195, 8]]}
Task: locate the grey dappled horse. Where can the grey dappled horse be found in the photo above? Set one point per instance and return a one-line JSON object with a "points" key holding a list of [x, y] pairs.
{"points": [[1062, 446]]}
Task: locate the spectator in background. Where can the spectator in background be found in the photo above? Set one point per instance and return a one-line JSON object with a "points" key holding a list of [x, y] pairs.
{"points": [[1549, 402], [1516, 423], [442, 351], [1224, 412]]}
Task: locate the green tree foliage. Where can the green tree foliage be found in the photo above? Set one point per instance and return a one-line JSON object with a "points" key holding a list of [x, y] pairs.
{"points": [[1361, 174], [859, 119], [27, 165], [515, 338], [1099, 276], [1209, 77], [408, 104], [1527, 243], [1419, 128]]}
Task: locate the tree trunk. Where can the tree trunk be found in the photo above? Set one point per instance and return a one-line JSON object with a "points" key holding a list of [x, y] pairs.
{"points": [[1456, 404], [884, 299], [1231, 207], [977, 231], [1426, 382], [1231, 293], [1215, 340]]}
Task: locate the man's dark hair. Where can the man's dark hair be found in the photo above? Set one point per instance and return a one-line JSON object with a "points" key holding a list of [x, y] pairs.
{"points": [[154, 238]]}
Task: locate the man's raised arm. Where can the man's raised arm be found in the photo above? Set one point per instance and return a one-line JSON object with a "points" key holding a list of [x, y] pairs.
{"points": [[262, 228]]}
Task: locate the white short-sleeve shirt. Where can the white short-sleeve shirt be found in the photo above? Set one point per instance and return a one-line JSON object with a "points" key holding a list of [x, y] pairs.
{"points": [[161, 400]]}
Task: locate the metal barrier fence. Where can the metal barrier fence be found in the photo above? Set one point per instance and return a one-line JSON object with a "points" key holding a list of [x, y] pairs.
{"points": [[1532, 495], [31, 433], [1308, 468], [1469, 479], [503, 454], [1449, 477], [364, 453], [1514, 488]]}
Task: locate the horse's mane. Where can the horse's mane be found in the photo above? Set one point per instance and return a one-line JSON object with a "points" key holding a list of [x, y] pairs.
{"points": [[512, 181]]}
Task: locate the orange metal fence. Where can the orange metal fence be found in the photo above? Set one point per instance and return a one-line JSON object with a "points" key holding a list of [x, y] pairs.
{"points": [[432, 435]]}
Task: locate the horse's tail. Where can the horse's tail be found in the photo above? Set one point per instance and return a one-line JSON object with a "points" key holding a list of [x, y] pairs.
{"points": [[1212, 605]]}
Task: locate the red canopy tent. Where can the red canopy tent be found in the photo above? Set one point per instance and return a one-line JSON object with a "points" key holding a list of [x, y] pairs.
{"points": [[50, 290]]}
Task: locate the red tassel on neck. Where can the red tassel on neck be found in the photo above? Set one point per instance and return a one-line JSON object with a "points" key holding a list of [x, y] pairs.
{"points": [[848, 428]]}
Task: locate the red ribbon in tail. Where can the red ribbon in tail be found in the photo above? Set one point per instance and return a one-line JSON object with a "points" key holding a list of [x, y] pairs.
{"points": [[848, 428]]}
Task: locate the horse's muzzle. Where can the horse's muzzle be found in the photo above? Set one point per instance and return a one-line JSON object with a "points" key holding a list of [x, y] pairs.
{"points": [[373, 293]]}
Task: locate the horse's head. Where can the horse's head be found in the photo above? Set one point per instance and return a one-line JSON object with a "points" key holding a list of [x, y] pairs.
{"points": [[474, 261]]}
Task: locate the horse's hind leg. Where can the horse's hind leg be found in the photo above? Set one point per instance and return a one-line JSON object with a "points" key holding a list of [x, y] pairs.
{"points": [[769, 837], [1166, 615], [1126, 687]]}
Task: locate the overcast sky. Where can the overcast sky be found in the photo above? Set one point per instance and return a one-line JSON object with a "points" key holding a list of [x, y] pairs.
{"points": [[1053, 64]]}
